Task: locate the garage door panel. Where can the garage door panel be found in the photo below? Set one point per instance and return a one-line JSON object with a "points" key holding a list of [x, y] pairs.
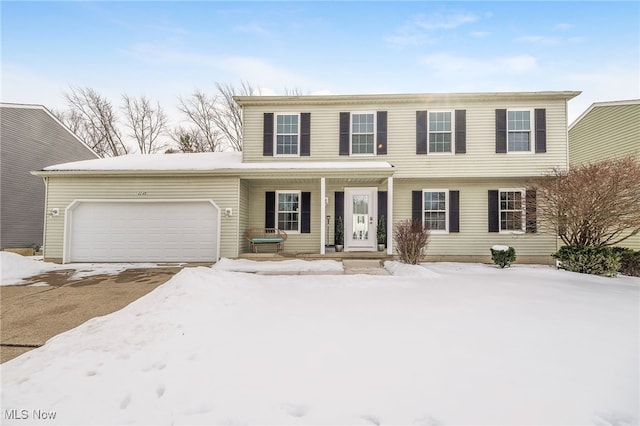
{"points": [[143, 231]]}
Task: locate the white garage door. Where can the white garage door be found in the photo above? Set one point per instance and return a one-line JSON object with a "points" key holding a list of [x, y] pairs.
{"points": [[124, 231]]}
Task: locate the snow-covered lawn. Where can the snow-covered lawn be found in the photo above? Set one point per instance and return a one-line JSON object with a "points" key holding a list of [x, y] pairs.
{"points": [[437, 344]]}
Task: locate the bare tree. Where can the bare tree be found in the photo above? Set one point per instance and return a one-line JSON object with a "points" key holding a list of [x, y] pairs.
{"points": [[592, 205], [191, 140], [73, 120], [146, 122], [200, 109], [228, 114], [93, 119], [296, 91]]}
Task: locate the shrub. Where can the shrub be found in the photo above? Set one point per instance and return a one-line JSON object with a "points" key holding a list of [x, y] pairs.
{"points": [[629, 261], [411, 240], [503, 256], [589, 260]]}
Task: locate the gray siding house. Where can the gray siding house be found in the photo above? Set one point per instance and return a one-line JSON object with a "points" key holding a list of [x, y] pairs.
{"points": [[607, 130], [30, 139]]}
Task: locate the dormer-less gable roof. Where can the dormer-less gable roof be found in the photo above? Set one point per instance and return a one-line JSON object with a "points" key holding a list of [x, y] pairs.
{"points": [[601, 105], [42, 108]]}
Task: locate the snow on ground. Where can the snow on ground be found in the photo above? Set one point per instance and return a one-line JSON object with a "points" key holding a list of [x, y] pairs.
{"points": [[15, 268], [294, 265], [462, 344]]}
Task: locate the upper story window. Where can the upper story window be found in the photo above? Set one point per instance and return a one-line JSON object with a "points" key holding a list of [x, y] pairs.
{"points": [[519, 131], [435, 209], [440, 134], [511, 210], [287, 134], [363, 133], [288, 211]]}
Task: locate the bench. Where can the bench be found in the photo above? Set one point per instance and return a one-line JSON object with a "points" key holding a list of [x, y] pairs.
{"points": [[257, 236]]}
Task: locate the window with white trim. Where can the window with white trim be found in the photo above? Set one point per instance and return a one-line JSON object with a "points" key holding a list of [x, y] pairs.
{"points": [[519, 135], [363, 133], [435, 213], [511, 210], [288, 211], [440, 132], [287, 134]]}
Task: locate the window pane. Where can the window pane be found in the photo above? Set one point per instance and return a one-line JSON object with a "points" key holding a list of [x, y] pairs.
{"points": [[519, 141], [511, 211], [435, 210], [287, 134], [288, 211], [362, 144]]}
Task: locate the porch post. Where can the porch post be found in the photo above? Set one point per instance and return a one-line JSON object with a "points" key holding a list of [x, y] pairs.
{"points": [[323, 213], [390, 215]]}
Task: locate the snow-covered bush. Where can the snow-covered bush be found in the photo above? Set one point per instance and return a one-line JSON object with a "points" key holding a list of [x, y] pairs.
{"points": [[503, 255], [411, 240], [589, 260]]}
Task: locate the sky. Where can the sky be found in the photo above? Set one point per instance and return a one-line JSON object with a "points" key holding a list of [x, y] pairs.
{"points": [[165, 49]]}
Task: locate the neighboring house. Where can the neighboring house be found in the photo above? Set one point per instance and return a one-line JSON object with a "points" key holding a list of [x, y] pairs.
{"points": [[30, 139], [607, 130], [461, 163]]}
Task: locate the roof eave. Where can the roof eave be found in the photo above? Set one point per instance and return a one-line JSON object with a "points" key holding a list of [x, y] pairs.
{"points": [[400, 98]]}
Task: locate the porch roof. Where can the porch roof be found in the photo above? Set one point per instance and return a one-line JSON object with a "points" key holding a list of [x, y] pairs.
{"points": [[224, 163]]}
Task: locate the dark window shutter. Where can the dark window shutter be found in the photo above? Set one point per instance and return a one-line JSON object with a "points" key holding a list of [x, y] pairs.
{"points": [[416, 205], [345, 119], [530, 212], [422, 134], [382, 207], [305, 134], [494, 225], [454, 211], [382, 132], [541, 130], [305, 220], [338, 208], [267, 144], [461, 131], [270, 209], [501, 131]]}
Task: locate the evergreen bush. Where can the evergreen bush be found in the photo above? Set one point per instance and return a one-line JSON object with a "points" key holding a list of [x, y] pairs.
{"points": [[589, 260], [502, 257], [629, 261]]}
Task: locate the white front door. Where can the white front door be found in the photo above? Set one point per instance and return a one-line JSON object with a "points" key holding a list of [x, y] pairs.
{"points": [[360, 222]]}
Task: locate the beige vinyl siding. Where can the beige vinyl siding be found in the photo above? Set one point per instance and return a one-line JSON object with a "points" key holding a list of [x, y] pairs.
{"points": [[474, 239], [62, 191], [480, 159], [244, 213], [606, 131], [296, 242]]}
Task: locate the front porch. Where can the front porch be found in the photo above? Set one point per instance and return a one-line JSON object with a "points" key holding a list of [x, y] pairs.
{"points": [[329, 254]]}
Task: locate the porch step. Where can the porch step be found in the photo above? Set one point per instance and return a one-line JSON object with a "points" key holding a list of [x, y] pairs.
{"points": [[364, 266]]}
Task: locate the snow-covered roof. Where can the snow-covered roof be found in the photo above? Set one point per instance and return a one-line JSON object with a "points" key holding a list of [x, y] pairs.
{"points": [[206, 161]]}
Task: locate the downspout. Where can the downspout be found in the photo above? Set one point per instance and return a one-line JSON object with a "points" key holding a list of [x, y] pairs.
{"points": [[46, 216]]}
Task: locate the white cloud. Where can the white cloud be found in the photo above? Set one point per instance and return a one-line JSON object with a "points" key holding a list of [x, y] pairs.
{"points": [[563, 27], [442, 21], [418, 31], [251, 28], [538, 39], [480, 34], [452, 66]]}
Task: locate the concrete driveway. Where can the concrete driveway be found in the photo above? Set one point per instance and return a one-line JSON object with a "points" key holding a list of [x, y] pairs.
{"points": [[29, 315]]}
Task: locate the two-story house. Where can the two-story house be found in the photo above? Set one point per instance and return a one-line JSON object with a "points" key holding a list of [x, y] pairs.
{"points": [[461, 163]]}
